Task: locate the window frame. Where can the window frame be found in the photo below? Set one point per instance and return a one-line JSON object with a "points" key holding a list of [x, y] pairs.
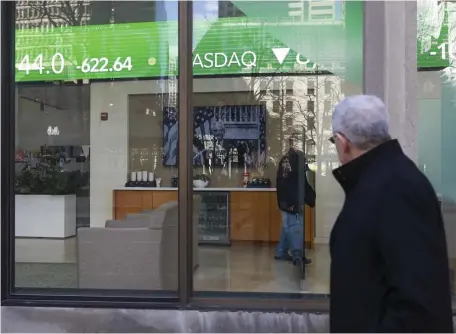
{"points": [[186, 297]]}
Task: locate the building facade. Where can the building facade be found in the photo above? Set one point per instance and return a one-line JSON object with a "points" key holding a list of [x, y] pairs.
{"points": [[140, 144]]}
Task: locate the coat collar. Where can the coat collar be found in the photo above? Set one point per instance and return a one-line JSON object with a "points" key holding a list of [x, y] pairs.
{"points": [[348, 174]]}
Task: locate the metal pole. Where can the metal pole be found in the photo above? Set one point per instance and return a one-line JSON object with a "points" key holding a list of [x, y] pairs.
{"points": [[185, 164]]}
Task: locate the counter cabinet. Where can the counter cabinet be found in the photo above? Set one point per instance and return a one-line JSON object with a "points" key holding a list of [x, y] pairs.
{"points": [[253, 213]]}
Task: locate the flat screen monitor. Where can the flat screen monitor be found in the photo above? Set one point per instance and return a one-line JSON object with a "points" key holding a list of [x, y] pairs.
{"points": [[220, 134]]}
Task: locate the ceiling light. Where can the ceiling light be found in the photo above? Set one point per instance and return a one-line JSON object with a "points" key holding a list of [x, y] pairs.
{"points": [[53, 131]]}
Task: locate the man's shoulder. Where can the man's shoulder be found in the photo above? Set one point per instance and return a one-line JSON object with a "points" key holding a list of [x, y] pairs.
{"points": [[405, 181], [285, 156], [408, 173]]}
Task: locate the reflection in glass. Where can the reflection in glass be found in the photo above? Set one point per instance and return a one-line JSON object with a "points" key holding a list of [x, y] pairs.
{"points": [[77, 224], [300, 73], [436, 119]]}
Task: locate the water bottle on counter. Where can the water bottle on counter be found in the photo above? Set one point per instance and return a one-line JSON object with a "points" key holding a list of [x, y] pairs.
{"points": [[133, 181], [151, 182], [141, 179]]}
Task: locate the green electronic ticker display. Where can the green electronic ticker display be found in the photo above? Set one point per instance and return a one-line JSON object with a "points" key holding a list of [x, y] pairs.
{"points": [[438, 55], [232, 46], [92, 52], [139, 50], [258, 43]]}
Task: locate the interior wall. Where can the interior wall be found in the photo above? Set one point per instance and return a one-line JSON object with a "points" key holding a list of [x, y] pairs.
{"points": [[146, 131], [429, 130], [436, 122], [110, 139], [40, 106], [145, 134], [448, 162], [66, 107], [429, 140]]}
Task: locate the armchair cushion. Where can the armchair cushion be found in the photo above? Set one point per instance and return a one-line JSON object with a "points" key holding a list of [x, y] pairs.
{"points": [[127, 258]]}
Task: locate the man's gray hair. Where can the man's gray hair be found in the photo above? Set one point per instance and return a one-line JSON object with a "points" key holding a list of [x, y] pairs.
{"points": [[363, 120]]}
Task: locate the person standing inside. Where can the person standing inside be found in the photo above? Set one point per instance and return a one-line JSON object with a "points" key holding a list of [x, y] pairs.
{"points": [[389, 261], [291, 195]]}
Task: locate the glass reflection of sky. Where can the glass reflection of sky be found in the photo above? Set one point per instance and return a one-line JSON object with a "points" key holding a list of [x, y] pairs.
{"points": [[204, 12], [201, 10]]}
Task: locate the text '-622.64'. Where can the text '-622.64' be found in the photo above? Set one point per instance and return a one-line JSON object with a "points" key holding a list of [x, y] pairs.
{"points": [[57, 64], [103, 64]]}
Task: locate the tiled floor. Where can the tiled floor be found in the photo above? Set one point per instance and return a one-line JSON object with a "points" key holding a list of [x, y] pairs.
{"points": [[46, 250], [247, 267], [240, 267]]}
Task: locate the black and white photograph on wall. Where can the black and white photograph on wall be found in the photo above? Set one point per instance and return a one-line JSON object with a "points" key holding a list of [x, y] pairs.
{"points": [[222, 135]]}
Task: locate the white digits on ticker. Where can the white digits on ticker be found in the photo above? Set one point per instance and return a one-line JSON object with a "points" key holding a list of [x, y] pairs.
{"points": [[118, 66], [451, 50], [85, 67], [57, 63]]}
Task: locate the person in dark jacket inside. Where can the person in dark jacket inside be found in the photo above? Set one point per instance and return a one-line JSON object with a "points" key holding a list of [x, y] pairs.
{"points": [[292, 192], [389, 268]]}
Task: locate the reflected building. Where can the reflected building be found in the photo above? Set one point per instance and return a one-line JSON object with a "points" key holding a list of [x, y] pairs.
{"points": [[321, 10], [297, 10], [172, 83], [303, 105], [105, 12], [229, 9], [47, 14]]}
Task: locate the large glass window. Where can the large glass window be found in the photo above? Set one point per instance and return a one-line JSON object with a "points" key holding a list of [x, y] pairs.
{"points": [[97, 142], [266, 78], [436, 104], [89, 145]]}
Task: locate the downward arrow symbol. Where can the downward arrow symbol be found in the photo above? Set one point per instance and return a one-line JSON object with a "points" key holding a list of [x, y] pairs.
{"points": [[280, 54]]}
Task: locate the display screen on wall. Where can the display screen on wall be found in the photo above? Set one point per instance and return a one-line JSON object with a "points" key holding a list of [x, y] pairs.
{"points": [[221, 135]]}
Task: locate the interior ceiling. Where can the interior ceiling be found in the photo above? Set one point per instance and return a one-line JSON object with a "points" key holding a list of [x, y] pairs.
{"points": [[156, 102], [59, 97], [138, 104]]}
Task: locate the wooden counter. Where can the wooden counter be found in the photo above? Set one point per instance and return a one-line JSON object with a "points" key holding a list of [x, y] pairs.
{"points": [[254, 215]]}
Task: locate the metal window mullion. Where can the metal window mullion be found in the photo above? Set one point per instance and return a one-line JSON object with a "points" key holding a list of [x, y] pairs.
{"points": [[7, 23], [185, 145], [374, 43], [390, 65]]}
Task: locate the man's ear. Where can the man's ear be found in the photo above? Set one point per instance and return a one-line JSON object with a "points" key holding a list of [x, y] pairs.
{"points": [[344, 143]]}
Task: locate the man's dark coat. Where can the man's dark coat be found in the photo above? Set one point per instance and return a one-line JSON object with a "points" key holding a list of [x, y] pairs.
{"points": [[389, 268]]}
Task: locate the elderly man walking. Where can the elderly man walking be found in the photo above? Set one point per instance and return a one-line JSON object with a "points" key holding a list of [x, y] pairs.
{"points": [[389, 268]]}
